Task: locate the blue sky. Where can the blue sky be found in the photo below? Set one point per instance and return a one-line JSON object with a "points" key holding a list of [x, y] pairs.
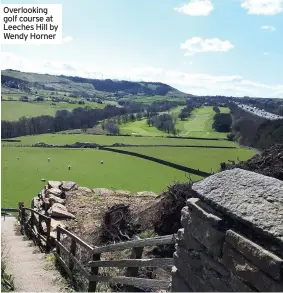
{"points": [[229, 47]]}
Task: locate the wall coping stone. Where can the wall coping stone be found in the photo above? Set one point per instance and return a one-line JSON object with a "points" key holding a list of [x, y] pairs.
{"points": [[252, 199]]}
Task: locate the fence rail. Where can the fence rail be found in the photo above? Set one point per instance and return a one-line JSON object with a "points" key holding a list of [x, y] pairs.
{"points": [[9, 210], [31, 224], [133, 264]]}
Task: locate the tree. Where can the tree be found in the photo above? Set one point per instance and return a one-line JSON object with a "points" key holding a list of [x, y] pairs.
{"points": [[222, 122], [112, 128], [139, 116], [183, 115], [216, 109], [84, 129]]}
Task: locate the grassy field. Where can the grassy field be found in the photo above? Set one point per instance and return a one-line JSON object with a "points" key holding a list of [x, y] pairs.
{"points": [[13, 110], [200, 123], [61, 139], [140, 128], [151, 99], [21, 179], [198, 158]]}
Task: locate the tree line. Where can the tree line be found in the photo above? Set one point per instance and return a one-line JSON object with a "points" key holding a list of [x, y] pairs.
{"points": [[78, 118], [83, 118], [186, 111], [163, 122]]}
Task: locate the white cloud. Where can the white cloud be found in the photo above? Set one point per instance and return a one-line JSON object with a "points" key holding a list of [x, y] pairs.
{"points": [[67, 39], [194, 83], [265, 7], [196, 8], [266, 53], [199, 45], [268, 28]]}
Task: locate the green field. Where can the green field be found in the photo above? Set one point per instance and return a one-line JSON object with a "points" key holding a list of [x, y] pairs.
{"points": [[200, 124], [203, 159], [21, 179], [61, 139], [140, 128], [13, 110], [151, 99]]}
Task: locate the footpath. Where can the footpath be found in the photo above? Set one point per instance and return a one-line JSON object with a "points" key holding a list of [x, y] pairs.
{"points": [[26, 267]]}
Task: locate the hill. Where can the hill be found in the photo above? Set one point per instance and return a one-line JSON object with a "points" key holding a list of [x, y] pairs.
{"points": [[74, 86]]}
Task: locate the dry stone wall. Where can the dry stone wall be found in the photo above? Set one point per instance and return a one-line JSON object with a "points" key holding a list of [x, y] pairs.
{"points": [[232, 235]]}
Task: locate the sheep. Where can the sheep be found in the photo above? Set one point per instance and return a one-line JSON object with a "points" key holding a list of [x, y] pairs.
{"points": [[43, 179], [101, 162], [48, 159], [18, 158], [69, 167]]}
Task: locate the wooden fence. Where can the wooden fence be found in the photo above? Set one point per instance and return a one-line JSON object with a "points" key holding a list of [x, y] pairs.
{"points": [[31, 225], [132, 264]]}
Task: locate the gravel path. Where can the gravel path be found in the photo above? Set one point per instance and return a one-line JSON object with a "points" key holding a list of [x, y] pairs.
{"points": [[23, 264]]}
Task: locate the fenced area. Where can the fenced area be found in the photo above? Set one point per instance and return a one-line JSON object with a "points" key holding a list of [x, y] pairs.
{"points": [[37, 227]]}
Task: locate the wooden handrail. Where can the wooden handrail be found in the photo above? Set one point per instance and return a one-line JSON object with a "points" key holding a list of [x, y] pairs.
{"points": [[73, 236], [134, 263], [32, 225], [37, 213], [160, 240], [11, 210], [74, 259]]}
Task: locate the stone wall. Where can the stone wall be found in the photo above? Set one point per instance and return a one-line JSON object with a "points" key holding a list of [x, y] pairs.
{"points": [[232, 235]]}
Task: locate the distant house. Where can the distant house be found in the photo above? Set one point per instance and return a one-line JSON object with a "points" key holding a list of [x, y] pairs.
{"points": [[24, 99], [39, 99], [55, 99]]}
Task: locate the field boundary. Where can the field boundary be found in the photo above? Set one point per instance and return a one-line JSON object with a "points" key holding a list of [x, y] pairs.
{"points": [[162, 162], [128, 135], [167, 145]]}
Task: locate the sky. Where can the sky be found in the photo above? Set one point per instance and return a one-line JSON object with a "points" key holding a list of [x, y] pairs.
{"points": [[201, 47]]}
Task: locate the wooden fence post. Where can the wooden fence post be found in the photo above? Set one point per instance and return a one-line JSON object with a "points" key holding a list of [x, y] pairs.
{"points": [[58, 239], [73, 252], [94, 271], [22, 216], [32, 223], [48, 227], [133, 272], [21, 220]]}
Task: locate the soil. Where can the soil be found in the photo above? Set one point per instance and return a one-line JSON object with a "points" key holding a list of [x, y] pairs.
{"points": [[101, 219], [268, 163]]}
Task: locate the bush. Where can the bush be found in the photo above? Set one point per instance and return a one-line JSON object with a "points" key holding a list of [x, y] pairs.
{"points": [[231, 136]]}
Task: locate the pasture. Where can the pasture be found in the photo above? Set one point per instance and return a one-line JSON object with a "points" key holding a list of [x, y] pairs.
{"points": [[21, 179], [203, 159], [13, 110], [61, 139]]}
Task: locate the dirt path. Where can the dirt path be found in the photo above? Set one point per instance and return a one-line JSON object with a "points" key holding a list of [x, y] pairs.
{"points": [[27, 267]]}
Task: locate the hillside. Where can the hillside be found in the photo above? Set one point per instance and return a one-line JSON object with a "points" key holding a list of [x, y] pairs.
{"points": [[73, 86]]}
